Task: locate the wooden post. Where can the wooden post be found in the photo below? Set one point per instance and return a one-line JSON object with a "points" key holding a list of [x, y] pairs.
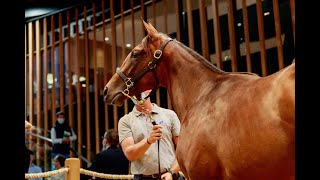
{"points": [[105, 64], [246, 34], [87, 67], [74, 168], [217, 33], [190, 24], [114, 56]]}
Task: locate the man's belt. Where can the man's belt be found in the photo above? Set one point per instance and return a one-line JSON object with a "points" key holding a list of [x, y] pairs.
{"points": [[154, 176]]}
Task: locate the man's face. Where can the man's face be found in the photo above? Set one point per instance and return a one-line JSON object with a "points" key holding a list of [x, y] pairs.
{"points": [[56, 163], [32, 158], [104, 141], [60, 118]]}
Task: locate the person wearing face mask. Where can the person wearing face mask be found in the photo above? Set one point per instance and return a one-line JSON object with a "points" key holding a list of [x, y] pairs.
{"points": [[111, 159], [61, 135], [149, 141]]}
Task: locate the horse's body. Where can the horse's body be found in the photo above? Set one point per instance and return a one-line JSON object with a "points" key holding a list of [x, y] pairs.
{"points": [[233, 125]]}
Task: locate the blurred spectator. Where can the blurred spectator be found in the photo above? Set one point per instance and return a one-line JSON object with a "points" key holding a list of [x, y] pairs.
{"points": [[111, 160], [32, 167], [27, 126], [58, 163], [61, 135]]}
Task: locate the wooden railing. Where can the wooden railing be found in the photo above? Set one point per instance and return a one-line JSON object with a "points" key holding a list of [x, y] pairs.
{"points": [[73, 171], [90, 40]]}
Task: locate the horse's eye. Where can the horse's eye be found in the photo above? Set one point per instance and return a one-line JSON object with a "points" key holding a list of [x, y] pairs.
{"points": [[134, 55]]}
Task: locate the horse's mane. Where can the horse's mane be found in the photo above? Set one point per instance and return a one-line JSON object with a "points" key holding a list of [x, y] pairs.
{"points": [[200, 58], [208, 63]]}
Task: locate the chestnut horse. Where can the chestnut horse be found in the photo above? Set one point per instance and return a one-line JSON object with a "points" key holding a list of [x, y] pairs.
{"points": [[235, 126]]}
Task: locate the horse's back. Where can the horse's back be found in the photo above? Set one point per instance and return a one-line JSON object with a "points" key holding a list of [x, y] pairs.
{"points": [[283, 92], [248, 126], [274, 118]]}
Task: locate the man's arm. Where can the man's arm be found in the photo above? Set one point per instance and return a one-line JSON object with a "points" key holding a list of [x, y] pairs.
{"points": [[73, 136], [54, 138], [135, 151], [175, 166]]}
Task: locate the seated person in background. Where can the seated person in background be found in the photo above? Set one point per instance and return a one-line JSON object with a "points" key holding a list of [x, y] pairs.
{"points": [[58, 162], [27, 151], [111, 160], [34, 168]]}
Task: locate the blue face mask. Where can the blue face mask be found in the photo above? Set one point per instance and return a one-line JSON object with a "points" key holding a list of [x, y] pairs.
{"points": [[134, 101], [143, 96]]}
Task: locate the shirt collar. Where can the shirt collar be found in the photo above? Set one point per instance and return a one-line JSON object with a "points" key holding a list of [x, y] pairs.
{"points": [[107, 147], [137, 113]]}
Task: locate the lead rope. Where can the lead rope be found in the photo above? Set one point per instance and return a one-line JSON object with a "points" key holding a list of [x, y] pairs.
{"points": [[148, 113]]}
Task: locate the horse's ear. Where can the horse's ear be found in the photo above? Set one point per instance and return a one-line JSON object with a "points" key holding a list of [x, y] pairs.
{"points": [[152, 32]]}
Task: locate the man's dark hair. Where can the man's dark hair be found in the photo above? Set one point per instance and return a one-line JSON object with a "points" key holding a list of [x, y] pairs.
{"points": [[60, 112], [112, 136], [61, 158]]}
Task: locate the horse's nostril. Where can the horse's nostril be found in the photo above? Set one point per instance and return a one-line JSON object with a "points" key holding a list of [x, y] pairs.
{"points": [[105, 91]]}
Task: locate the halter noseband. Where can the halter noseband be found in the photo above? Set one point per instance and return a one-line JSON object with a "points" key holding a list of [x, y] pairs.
{"points": [[151, 65]]}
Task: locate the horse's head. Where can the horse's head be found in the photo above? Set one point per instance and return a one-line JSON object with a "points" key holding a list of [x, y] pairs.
{"points": [[139, 70]]}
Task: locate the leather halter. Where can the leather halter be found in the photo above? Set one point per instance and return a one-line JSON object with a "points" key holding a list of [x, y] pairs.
{"points": [[151, 66]]}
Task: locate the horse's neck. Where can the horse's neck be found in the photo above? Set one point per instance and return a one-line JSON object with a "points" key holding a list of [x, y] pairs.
{"points": [[188, 80]]}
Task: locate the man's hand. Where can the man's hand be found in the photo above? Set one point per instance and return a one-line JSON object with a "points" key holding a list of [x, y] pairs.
{"points": [[156, 134], [166, 176], [65, 140]]}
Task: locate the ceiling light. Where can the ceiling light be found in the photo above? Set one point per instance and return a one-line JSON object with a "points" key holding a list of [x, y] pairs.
{"points": [[49, 78], [128, 45], [32, 12], [266, 13], [239, 24], [82, 78], [106, 39]]}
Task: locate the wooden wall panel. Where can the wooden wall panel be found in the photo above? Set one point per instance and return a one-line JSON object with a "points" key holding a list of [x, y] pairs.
{"points": [[45, 93], [95, 79], [38, 125], [123, 50], [114, 59], [278, 33], [232, 37], [61, 65], [78, 85], [263, 53], [246, 35], [53, 72], [293, 19], [204, 29], [86, 49], [31, 73], [105, 64], [217, 33], [190, 24]]}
